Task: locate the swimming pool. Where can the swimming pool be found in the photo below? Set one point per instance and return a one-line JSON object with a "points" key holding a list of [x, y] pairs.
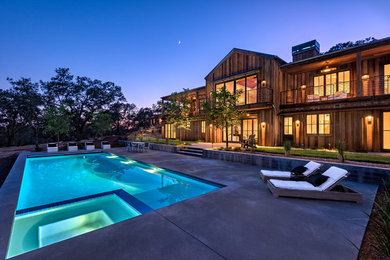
{"points": [[62, 196]]}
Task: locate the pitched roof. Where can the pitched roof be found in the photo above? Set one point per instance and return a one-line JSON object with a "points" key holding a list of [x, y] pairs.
{"points": [[270, 56]]}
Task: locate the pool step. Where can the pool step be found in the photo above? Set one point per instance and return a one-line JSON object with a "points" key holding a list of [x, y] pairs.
{"points": [[188, 150]]}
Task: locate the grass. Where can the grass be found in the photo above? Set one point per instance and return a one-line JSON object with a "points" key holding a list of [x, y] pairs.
{"points": [[170, 141], [331, 154]]}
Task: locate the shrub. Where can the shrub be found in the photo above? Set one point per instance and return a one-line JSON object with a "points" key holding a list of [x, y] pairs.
{"points": [[236, 149], [340, 150], [287, 147]]}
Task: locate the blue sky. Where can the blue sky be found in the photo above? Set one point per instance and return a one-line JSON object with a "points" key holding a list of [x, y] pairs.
{"points": [[135, 43]]}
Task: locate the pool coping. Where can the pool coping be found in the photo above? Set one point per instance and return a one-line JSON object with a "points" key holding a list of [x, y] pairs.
{"points": [[9, 191]]}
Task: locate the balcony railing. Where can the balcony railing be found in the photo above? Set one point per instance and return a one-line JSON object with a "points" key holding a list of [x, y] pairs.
{"points": [[375, 86], [257, 96]]}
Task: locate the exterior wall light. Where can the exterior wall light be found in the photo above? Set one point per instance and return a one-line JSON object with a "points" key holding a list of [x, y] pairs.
{"points": [[262, 124], [366, 76], [369, 120], [247, 114], [263, 83], [297, 123], [211, 125], [303, 86], [327, 69]]}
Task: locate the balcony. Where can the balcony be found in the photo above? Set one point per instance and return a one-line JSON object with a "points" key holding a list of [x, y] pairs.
{"points": [[263, 95], [367, 87]]}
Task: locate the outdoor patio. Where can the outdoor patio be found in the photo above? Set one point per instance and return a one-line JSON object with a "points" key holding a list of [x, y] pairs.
{"points": [[241, 220]]}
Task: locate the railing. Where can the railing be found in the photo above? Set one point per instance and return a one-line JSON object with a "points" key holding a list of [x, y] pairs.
{"points": [[374, 86], [257, 96]]}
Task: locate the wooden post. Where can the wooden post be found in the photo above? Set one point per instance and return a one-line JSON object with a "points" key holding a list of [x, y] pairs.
{"points": [[358, 74]]}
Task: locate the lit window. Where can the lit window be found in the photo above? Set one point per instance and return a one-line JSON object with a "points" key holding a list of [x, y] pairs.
{"points": [[170, 131], [203, 127], [240, 86], [311, 124], [324, 123], [319, 86], [218, 87], [344, 81], [288, 125], [330, 87], [251, 90], [230, 86], [387, 79]]}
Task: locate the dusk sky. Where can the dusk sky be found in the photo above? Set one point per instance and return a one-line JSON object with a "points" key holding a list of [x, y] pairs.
{"points": [[152, 48]]}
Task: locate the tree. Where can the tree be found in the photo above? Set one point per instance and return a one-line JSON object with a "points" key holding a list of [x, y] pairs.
{"points": [[349, 44], [81, 97], [123, 115], [222, 110], [101, 123], [20, 108], [56, 121], [178, 109]]}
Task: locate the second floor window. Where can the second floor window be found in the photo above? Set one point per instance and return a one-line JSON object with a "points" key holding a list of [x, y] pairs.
{"points": [[344, 81], [387, 79], [330, 87], [247, 86], [330, 84], [319, 86], [288, 125]]}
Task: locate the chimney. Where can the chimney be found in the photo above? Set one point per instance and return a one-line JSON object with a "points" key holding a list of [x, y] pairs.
{"points": [[305, 50]]}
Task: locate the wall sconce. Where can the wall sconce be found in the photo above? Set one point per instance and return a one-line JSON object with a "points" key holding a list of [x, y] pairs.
{"points": [[369, 120], [247, 114], [263, 83], [303, 86], [211, 125], [366, 76], [297, 123], [327, 69], [262, 124]]}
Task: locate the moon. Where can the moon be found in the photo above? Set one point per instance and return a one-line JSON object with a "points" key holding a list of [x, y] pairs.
{"points": [[179, 42]]}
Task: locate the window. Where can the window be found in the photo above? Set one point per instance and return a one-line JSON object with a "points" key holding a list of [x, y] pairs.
{"points": [[202, 101], [344, 81], [311, 122], [234, 133], [230, 86], [240, 86], [203, 127], [251, 90], [288, 125], [330, 87], [387, 79], [170, 131], [219, 86], [386, 130], [319, 86], [324, 124], [249, 127]]}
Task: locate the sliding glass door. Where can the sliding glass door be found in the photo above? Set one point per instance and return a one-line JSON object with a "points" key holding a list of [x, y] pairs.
{"points": [[249, 127]]}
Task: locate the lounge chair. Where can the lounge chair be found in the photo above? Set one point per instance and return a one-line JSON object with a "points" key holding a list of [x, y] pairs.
{"points": [[72, 147], [265, 175], [89, 146], [52, 147], [105, 145], [329, 190]]}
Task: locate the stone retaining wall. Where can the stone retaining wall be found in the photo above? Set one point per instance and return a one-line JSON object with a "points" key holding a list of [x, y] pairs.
{"points": [[361, 174]]}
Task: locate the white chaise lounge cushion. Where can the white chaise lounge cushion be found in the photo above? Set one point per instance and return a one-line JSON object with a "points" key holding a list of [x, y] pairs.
{"points": [[294, 185], [311, 167], [334, 174]]}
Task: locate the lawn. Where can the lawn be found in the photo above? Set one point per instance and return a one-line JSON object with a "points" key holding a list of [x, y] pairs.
{"points": [[332, 154], [170, 141]]}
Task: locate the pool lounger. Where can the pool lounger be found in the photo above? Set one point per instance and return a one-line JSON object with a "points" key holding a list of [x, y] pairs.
{"points": [[265, 175], [329, 190]]}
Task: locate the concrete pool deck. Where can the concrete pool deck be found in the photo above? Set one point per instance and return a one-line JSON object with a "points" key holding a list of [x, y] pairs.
{"points": [[240, 221]]}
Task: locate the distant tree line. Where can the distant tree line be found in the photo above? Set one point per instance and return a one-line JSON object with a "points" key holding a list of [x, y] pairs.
{"points": [[349, 44], [67, 107]]}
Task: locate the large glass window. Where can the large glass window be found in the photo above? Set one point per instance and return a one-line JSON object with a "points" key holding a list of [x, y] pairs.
{"points": [[170, 131], [386, 130], [230, 86], [240, 86], [288, 127], [249, 127], [311, 124], [319, 86], [218, 87], [251, 90], [324, 123], [330, 87], [387, 79], [344, 81], [203, 127], [234, 133]]}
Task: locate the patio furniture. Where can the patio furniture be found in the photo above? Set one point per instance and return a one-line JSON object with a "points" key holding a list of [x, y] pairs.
{"points": [[129, 147], [311, 166], [89, 146], [249, 142], [146, 147], [329, 190], [52, 147], [105, 145], [72, 147]]}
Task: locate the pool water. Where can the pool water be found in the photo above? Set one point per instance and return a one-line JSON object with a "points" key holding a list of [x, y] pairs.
{"points": [[65, 196]]}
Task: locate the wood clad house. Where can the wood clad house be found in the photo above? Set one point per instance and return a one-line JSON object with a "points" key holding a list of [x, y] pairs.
{"points": [[313, 101]]}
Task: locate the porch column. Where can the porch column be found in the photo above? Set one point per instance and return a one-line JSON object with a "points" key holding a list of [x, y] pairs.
{"points": [[358, 74]]}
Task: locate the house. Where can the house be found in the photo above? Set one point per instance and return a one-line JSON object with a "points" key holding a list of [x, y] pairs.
{"points": [[313, 101]]}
